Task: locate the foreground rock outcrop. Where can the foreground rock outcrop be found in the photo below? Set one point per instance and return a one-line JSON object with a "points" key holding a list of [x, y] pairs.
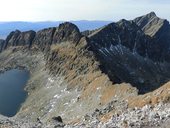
{"points": [[92, 78]]}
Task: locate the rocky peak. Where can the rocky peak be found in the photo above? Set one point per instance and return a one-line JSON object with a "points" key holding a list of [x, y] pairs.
{"points": [[150, 23], [12, 38], [159, 30], [18, 38], [151, 14], [67, 32], [125, 33]]}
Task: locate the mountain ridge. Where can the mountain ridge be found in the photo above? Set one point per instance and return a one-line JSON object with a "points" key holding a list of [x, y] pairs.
{"points": [[7, 27], [103, 72], [109, 43]]}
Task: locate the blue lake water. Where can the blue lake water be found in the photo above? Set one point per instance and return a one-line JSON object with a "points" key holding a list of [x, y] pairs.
{"points": [[12, 93]]}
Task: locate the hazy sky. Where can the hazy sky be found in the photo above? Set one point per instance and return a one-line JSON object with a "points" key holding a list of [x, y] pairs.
{"points": [[52, 10]]}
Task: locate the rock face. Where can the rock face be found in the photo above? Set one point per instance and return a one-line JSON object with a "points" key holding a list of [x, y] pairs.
{"points": [[44, 37], [124, 33], [159, 30], [17, 38], [25, 38], [11, 39], [150, 23], [67, 32]]}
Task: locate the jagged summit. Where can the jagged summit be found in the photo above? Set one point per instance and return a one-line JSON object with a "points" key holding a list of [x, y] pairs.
{"points": [[151, 14], [126, 42], [68, 25], [159, 30], [150, 23], [67, 32]]}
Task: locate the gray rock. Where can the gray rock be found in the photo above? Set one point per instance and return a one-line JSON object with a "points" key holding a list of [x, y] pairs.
{"points": [[25, 38], [58, 119], [11, 39], [44, 38], [67, 32], [159, 30], [18, 38]]}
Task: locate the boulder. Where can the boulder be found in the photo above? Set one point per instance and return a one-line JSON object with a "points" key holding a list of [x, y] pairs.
{"points": [[58, 119]]}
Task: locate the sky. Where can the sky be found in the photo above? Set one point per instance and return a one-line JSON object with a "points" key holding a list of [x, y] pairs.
{"points": [[66, 10]]}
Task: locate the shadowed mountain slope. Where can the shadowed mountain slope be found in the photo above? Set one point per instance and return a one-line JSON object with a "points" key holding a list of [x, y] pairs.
{"points": [[126, 55]]}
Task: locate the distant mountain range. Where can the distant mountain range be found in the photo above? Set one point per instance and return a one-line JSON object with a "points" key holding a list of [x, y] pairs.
{"points": [[7, 27]]}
